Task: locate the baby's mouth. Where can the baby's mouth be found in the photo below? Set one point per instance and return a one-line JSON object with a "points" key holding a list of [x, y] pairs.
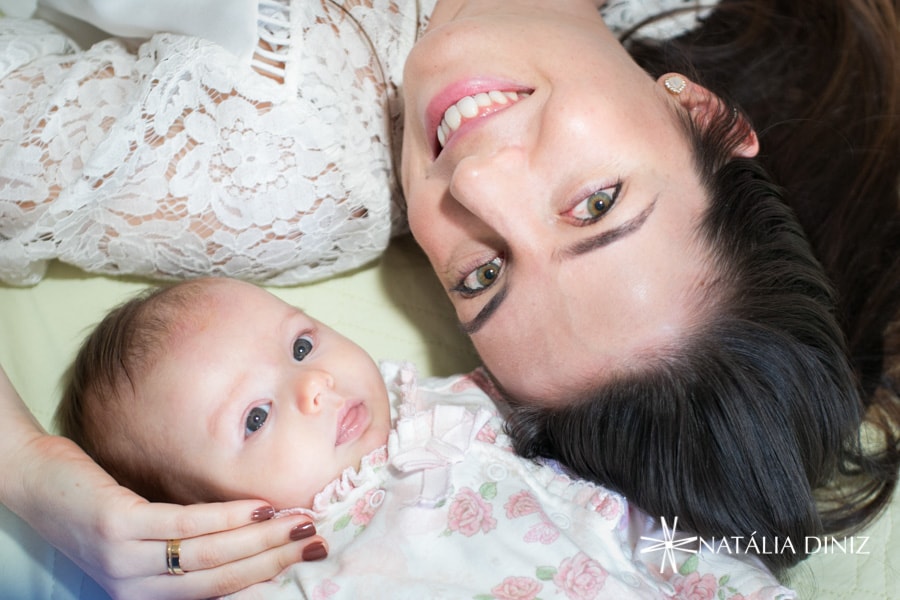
{"points": [[473, 107], [351, 423]]}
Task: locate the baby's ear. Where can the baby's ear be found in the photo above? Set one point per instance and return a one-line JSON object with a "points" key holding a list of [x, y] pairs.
{"points": [[703, 107]]}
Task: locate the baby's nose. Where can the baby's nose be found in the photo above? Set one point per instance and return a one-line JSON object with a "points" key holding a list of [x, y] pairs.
{"points": [[311, 384]]}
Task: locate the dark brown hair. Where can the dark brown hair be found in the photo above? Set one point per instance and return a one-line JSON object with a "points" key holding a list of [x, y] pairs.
{"points": [[751, 424], [820, 82]]}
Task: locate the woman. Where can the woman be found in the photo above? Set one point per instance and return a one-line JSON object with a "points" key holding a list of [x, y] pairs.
{"points": [[464, 187], [715, 356]]}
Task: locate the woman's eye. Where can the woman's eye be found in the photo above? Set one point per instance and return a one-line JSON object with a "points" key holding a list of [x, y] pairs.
{"points": [[302, 347], [597, 204], [256, 418], [482, 277]]}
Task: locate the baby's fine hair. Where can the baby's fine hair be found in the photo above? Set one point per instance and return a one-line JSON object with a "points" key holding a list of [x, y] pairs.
{"points": [[102, 383]]}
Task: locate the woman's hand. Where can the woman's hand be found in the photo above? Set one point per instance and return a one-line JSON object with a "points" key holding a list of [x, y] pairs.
{"points": [[119, 538]]}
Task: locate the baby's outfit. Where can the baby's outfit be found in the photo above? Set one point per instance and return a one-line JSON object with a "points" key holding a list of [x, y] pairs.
{"points": [[448, 510], [271, 161]]}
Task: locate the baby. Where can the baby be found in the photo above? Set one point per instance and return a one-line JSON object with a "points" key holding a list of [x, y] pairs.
{"points": [[214, 389]]}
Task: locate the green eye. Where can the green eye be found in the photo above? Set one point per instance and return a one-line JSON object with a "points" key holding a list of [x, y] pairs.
{"points": [[482, 277], [597, 204], [486, 274]]}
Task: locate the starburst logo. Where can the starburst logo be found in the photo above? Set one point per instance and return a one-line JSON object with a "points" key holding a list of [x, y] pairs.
{"points": [[669, 544]]}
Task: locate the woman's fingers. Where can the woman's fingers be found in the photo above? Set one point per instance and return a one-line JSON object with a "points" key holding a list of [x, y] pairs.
{"points": [[215, 561], [224, 547], [238, 575], [216, 549], [210, 535], [153, 520], [218, 581]]}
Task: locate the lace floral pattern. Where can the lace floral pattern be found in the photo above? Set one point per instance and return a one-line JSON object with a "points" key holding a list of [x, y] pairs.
{"points": [[681, 16], [175, 160]]}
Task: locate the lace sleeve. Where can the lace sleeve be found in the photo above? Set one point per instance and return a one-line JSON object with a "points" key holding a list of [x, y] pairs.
{"points": [[176, 160]]}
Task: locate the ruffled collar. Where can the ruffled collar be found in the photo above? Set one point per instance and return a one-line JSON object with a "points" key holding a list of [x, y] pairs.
{"points": [[424, 443]]}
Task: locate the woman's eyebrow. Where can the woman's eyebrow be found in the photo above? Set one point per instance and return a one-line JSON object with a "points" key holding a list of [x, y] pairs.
{"points": [[608, 236]]}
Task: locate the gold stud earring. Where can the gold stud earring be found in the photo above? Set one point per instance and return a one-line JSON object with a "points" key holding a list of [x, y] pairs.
{"points": [[675, 84]]}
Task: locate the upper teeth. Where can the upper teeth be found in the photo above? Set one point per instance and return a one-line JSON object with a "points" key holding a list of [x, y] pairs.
{"points": [[471, 107]]}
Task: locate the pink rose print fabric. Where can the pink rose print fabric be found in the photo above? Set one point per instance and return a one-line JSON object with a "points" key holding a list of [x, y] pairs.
{"points": [[517, 588], [470, 514], [581, 577]]}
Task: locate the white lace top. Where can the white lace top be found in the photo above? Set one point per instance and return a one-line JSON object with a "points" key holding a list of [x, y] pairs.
{"points": [[176, 157]]}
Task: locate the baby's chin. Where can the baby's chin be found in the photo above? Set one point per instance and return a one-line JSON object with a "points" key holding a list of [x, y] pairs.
{"points": [[365, 446], [375, 436]]}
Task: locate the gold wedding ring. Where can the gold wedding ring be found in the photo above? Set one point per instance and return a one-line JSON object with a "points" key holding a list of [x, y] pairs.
{"points": [[173, 557]]}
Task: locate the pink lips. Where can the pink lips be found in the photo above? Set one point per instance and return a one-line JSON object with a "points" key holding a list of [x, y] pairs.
{"points": [[351, 422], [453, 93]]}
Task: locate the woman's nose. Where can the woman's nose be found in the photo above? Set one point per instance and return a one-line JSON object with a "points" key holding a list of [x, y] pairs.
{"points": [[498, 189], [311, 388]]}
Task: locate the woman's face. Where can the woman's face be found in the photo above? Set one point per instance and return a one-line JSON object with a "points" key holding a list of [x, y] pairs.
{"points": [[561, 221]]}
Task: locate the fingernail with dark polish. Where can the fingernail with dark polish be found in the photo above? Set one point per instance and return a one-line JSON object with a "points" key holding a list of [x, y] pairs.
{"points": [[303, 531], [315, 551], [263, 514]]}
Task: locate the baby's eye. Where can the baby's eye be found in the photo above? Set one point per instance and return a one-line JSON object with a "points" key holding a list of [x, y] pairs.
{"points": [[256, 418], [596, 205], [303, 345], [481, 278]]}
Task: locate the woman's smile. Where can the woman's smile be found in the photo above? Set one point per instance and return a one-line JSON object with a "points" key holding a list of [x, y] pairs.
{"points": [[474, 107], [466, 102]]}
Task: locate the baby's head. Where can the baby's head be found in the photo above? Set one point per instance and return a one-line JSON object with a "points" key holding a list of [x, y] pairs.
{"points": [[214, 389]]}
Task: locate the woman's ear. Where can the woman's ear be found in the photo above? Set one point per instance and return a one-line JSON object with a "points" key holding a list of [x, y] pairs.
{"points": [[704, 107]]}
